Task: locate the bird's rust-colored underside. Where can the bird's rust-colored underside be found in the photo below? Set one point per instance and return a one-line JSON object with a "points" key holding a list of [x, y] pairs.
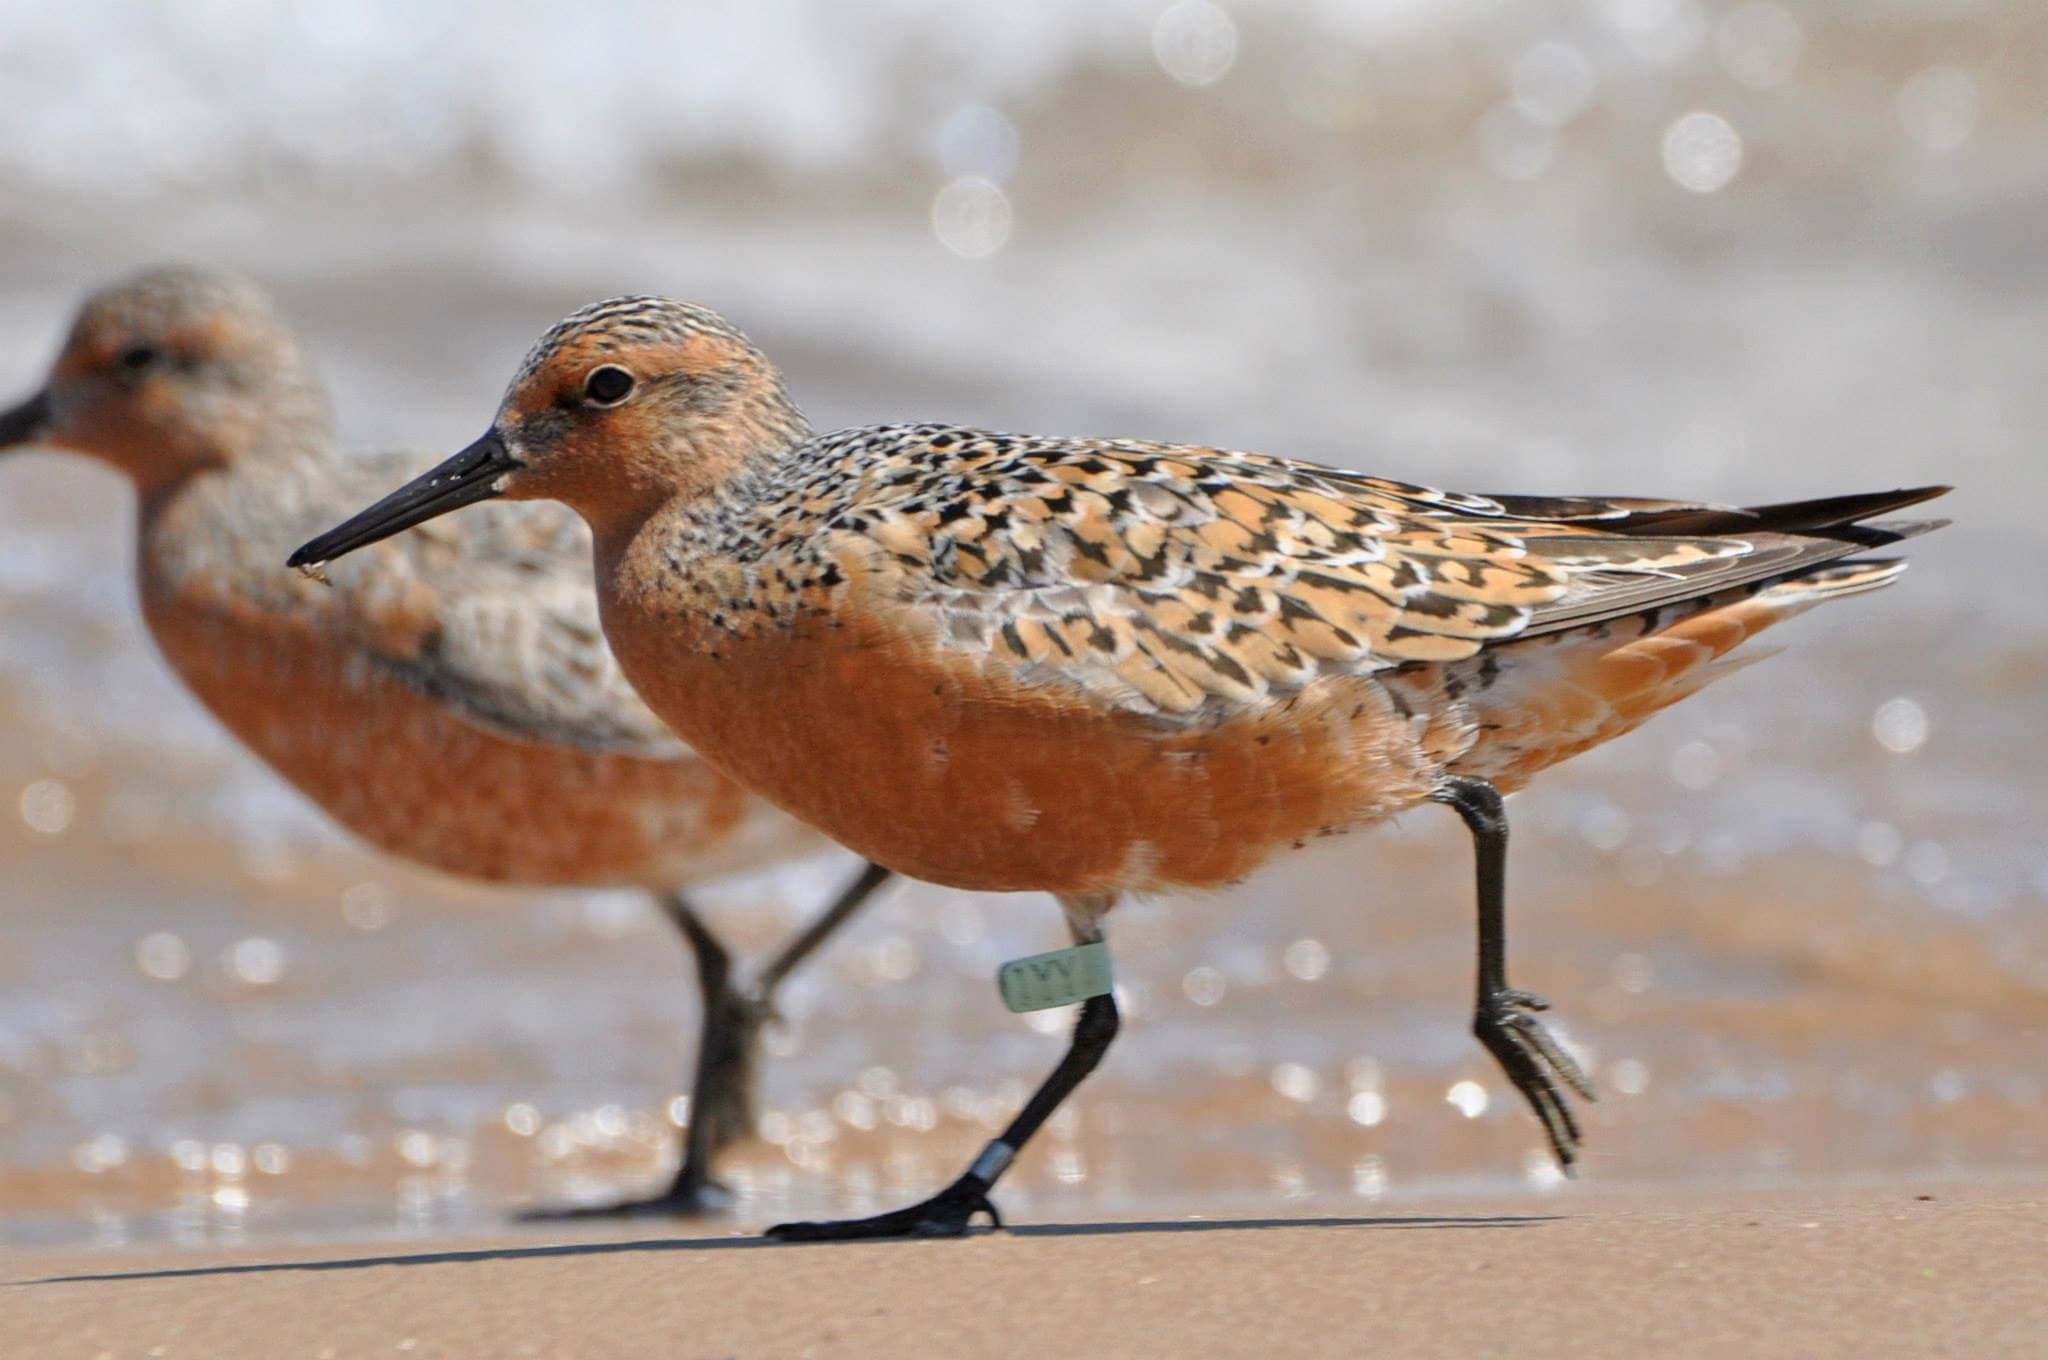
{"points": [[413, 776]]}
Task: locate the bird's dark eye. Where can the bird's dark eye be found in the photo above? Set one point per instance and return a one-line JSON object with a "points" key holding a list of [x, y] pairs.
{"points": [[607, 386], [139, 358]]}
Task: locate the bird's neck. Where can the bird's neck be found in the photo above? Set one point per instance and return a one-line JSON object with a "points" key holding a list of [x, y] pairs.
{"points": [[274, 436], [214, 530], [689, 492]]}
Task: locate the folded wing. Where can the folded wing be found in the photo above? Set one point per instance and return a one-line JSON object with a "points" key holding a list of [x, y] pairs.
{"points": [[1165, 578], [494, 614]]}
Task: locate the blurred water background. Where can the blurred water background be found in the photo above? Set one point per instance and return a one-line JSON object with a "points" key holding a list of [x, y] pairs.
{"points": [[1798, 927]]}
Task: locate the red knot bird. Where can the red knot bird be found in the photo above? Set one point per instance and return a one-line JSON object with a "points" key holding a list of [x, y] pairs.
{"points": [[1097, 667], [452, 700]]}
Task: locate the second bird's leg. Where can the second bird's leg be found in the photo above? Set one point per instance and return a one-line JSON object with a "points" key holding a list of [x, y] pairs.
{"points": [[722, 1086], [723, 1090], [948, 1213], [1503, 1017]]}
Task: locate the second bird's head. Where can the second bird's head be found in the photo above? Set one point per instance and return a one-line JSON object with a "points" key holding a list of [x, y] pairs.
{"points": [[172, 371], [620, 408]]}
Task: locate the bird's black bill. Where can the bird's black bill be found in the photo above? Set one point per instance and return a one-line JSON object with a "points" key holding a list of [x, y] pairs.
{"points": [[27, 423], [475, 474]]}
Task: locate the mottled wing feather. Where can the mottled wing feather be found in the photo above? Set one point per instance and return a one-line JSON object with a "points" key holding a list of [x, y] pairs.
{"points": [[494, 613], [1164, 578]]}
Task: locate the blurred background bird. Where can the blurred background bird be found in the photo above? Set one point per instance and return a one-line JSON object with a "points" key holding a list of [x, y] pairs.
{"points": [[451, 701]]}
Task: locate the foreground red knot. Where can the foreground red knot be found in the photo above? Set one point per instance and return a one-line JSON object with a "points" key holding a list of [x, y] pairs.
{"points": [[1093, 667], [450, 699]]}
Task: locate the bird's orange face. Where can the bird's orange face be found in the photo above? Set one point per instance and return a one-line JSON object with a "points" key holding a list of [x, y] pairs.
{"points": [[171, 371], [605, 423], [622, 408]]}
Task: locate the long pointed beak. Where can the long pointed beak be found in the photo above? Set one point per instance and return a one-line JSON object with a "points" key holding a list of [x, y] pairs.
{"points": [[27, 423], [475, 474]]}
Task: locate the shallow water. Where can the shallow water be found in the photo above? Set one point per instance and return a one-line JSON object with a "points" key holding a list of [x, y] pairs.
{"points": [[1798, 927]]}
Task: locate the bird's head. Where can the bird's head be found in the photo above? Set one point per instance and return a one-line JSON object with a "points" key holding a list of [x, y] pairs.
{"points": [[623, 407], [168, 372]]}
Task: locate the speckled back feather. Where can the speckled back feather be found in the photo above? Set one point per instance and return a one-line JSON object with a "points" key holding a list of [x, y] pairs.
{"points": [[1173, 580]]}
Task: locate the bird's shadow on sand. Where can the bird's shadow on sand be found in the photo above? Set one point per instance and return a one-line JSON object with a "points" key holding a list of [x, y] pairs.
{"points": [[1109, 1229]]}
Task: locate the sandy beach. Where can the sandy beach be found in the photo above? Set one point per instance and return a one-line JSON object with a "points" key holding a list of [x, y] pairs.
{"points": [[1898, 1269]]}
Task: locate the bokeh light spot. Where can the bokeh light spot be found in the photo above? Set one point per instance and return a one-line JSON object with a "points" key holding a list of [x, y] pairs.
{"points": [[1939, 107], [971, 217], [1900, 726], [163, 955], [1702, 152], [256, 961], [1695, 765], [1195, 42], [1307, 960], [48, 806], [1203, 985], [366, 906], [1296, 1082]]}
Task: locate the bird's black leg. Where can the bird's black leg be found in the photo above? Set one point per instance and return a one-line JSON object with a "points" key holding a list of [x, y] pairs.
{"points": [[722, 1088], [851, 898], [722, 1095], [1503, 1018], [948, 1213], [722, 1092]]}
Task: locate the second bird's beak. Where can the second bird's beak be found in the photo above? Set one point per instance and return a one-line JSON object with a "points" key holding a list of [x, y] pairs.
{"points": [[28, 423], [475, 474]]}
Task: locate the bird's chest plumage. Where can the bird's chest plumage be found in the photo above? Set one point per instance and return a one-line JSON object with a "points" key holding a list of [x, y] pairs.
{"points": [[942, 765]]}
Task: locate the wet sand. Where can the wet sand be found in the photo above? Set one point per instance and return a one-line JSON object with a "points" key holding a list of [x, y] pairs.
{"points": [[1893, 1269]]}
